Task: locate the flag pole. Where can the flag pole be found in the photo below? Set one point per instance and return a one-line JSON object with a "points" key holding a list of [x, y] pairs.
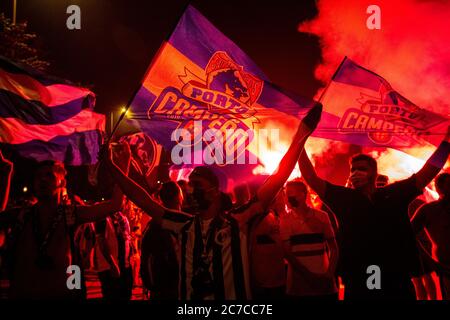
{"points": [[152, 62], [329, 82], [14, 12]]}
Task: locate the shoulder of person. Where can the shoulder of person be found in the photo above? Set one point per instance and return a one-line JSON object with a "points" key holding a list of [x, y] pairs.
{"points": [[331, 187], [246, 206], [320, 214], [430, 206], [178, 216], [400, 184]]}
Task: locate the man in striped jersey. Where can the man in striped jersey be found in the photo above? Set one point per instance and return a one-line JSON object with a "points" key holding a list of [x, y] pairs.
{"points": [[214, 249], [310, 247]]}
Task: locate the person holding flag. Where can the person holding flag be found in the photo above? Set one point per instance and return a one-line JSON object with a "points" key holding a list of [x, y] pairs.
{"points": [[213, 244], [39, 248], [201, 84], [376, 232]]}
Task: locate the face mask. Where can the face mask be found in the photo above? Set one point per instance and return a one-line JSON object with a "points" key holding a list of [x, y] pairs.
{"points": [[293, 202], [359, 178], [198, 195]]}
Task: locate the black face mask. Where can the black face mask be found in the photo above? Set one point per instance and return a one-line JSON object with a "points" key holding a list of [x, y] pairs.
{"points": [[293, 202], [198, 195]]}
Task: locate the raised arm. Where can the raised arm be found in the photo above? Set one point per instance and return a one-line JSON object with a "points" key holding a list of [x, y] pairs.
{"points": [[273, 184], [133, 191], [334, 256], [6, 170], [435, 163], [310, 175], [103, 209]]}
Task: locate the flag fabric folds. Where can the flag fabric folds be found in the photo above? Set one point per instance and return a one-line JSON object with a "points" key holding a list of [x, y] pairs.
{"points": [[201, 75], [45, 118], [362, 108]]}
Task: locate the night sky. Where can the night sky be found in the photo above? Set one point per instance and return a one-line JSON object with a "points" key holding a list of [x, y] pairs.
{"points": [[118, 39]]}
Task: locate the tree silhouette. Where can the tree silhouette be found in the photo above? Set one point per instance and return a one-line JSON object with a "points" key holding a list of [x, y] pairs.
{"points": [[18, 44]]}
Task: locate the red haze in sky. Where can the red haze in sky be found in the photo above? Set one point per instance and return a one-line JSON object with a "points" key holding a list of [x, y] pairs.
{"points": [[411, 51]]}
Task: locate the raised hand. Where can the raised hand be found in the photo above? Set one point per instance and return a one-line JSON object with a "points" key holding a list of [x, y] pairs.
{"points": [[310, 121], [120, 154]]}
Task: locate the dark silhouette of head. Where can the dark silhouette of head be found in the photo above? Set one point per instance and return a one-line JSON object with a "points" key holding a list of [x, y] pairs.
{"points": [[363, 171], [205, 187], [442, 184], [296, 193], [241, 194], [171, 195], [49, 179]]}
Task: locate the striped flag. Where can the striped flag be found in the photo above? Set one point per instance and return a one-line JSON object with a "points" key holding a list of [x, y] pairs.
{"points": [[201, 80], [362, 108], [46, 118]]}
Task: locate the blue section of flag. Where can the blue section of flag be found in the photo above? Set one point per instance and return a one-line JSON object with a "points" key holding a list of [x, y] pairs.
{"points": [[230, 78], [35, 112], [79, 148], [45, 118], [355, 75], [198, 40]]}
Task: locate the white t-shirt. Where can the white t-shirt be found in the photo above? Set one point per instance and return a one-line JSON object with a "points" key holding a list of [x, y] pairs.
{"points": [[307, 237]]}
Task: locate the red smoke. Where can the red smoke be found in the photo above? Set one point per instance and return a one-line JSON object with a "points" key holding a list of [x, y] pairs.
{"points": [[411, 51]]}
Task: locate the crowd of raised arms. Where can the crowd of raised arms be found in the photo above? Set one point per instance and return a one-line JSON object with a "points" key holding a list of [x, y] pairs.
{"points": [[369, 239]]}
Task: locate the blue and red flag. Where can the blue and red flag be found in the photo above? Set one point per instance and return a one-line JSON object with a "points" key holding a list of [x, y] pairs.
{"points": [[46, 118], [201, 75], [362, 108]]}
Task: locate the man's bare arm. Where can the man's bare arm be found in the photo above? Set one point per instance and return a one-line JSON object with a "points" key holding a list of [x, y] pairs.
{"points": [[309, 174], [434, 164], [102, 210], [273, 184], [133, 191]]}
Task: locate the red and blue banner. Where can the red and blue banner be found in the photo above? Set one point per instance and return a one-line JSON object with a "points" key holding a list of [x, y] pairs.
{"points": [[201, 75], [362, 108], [45, 118]]}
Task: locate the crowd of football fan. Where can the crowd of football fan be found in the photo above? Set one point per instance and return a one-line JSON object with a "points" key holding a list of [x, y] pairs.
{"points": [[367, 240]]}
